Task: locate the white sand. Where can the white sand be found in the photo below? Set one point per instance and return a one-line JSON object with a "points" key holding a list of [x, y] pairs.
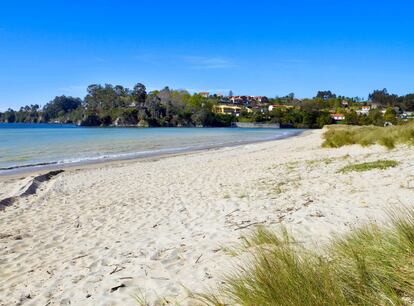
{"points": [[159, 226]]}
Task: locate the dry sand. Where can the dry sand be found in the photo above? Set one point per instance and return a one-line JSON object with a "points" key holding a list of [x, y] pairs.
{"points": [[96, 236]]}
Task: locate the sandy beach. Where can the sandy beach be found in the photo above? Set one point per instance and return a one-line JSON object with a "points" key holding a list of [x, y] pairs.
{"points": [[159, 227]]}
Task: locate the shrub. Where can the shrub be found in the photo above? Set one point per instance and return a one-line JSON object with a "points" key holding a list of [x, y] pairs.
{"points": [[379, 164], [338, 136]]}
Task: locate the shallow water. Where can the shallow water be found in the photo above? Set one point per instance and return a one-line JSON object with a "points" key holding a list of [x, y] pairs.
{"points": [[28, 145]]}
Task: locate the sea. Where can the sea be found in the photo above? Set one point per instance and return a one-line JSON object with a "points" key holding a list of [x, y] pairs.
{"points": [[27, 146]]}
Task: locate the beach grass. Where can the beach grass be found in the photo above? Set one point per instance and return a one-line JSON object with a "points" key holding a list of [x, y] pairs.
{"points": [[341, 135], [372, 265], [140, 299], [379, 164]]}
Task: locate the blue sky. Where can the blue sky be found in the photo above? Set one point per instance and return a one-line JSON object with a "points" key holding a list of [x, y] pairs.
{"points": [[49, 48]]}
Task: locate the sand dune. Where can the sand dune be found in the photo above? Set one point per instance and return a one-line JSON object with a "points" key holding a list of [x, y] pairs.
{"points": [[96, 236]]}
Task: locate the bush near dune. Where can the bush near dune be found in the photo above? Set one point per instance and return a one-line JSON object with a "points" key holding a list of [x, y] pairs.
{"points": [[338, 136]]}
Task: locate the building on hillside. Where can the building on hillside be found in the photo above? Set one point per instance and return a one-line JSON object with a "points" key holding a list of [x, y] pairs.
{"points": [[230, 109], [338, 117], [344, 103], [364, 110], [260, 98], [247, 100], [260, 108], [280, 106], [239, 100], [407, 115]]}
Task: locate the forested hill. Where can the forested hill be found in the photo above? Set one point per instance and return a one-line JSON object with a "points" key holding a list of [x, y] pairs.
{"points": [[116, 105], [108, 105]]}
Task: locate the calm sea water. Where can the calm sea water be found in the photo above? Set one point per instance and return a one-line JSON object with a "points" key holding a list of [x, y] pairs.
{"points": [[28, 145]]}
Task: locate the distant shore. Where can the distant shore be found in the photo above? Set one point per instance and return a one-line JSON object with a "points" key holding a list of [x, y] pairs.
{"points": [[99, 234], [233, 125]]}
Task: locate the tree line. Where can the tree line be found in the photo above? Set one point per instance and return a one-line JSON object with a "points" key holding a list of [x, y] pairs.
{"points": [[106, 105]]}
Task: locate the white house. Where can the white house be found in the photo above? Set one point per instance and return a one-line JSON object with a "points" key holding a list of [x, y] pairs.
{"points": [[338, 117], [364, 110]]}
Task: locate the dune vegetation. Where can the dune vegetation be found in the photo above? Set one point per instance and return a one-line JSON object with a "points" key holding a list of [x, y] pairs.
{"points": [[341, 135], [372, 265], [379, 164]]}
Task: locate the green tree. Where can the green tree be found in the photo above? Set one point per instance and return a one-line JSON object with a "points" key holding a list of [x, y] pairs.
{"points": [[390, 115], [407, 102], [383, 98], [351, 118], [325, 95], [364, 120], [323, 119], [376, 117], [10, 116], [60, 106], [139, 93]]}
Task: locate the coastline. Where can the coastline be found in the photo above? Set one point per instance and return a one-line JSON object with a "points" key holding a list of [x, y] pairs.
{"points": [[97, 234], [132, 156]]}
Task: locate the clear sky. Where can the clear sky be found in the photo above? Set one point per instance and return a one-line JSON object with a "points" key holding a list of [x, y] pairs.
{"points": [[49, 48]]}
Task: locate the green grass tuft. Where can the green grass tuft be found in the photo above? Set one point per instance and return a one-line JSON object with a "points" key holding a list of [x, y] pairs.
{"points": [[338, 136], [370, 266], [379, 164]]}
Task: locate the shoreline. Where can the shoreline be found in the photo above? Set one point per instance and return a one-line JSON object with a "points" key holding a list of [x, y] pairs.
{"points": [[51, 166], [155, 226]]}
